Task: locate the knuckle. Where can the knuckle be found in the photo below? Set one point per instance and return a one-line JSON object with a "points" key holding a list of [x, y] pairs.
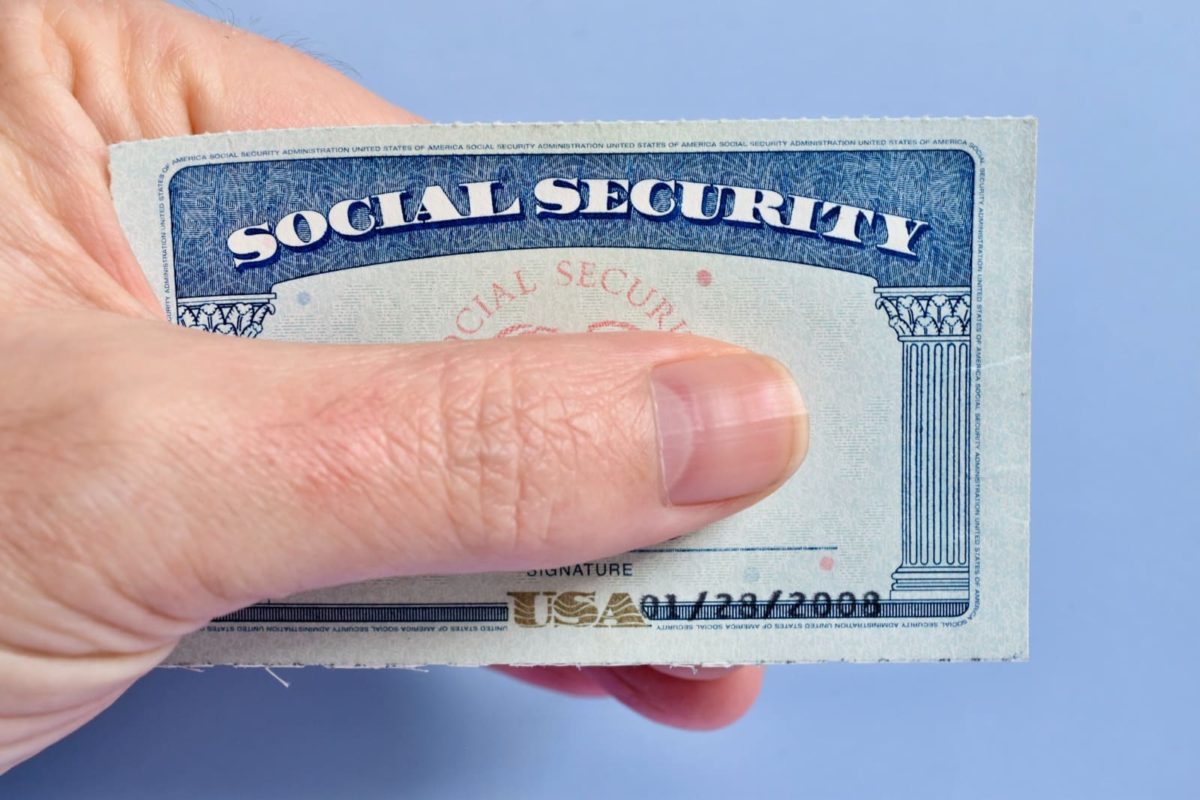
{"points": [[511, 444]]}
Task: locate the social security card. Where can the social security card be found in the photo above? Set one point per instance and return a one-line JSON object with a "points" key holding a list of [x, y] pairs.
{"points": [[887, 263]]}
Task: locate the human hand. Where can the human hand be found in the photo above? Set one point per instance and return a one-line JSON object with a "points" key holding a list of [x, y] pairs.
{"points": [[153, 477]]}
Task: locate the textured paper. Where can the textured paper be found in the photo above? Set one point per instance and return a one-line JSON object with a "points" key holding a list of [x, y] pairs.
{"points": [[886, 262]]}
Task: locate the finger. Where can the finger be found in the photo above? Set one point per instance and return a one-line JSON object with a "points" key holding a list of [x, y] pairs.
{"points": [[687, 673], [143, 69], [690, 704], [567, 680], [76, 77], [22, 734], [260, 469]]}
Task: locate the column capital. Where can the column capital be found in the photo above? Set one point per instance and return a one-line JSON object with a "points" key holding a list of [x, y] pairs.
{"points": [[924, 312], [235, 315]]}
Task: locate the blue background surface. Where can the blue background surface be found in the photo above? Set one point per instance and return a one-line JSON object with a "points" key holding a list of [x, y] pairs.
{"points": [[1107, 705]]}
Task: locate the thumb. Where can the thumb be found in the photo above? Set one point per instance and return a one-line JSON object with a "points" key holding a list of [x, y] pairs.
{"points": [[220, 471]]}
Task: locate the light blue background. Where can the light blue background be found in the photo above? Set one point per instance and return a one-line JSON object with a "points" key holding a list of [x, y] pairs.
{"points": [[1107, 705]]}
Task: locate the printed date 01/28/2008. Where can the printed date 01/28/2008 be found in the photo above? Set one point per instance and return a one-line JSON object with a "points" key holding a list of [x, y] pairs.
{"points": [[796, 605]]}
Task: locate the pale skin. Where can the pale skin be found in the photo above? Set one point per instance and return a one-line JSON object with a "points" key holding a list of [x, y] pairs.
{"points": [[152, 478]]}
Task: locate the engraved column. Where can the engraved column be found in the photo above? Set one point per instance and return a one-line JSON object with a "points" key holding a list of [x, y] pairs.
{"points": [[933, 325]]}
